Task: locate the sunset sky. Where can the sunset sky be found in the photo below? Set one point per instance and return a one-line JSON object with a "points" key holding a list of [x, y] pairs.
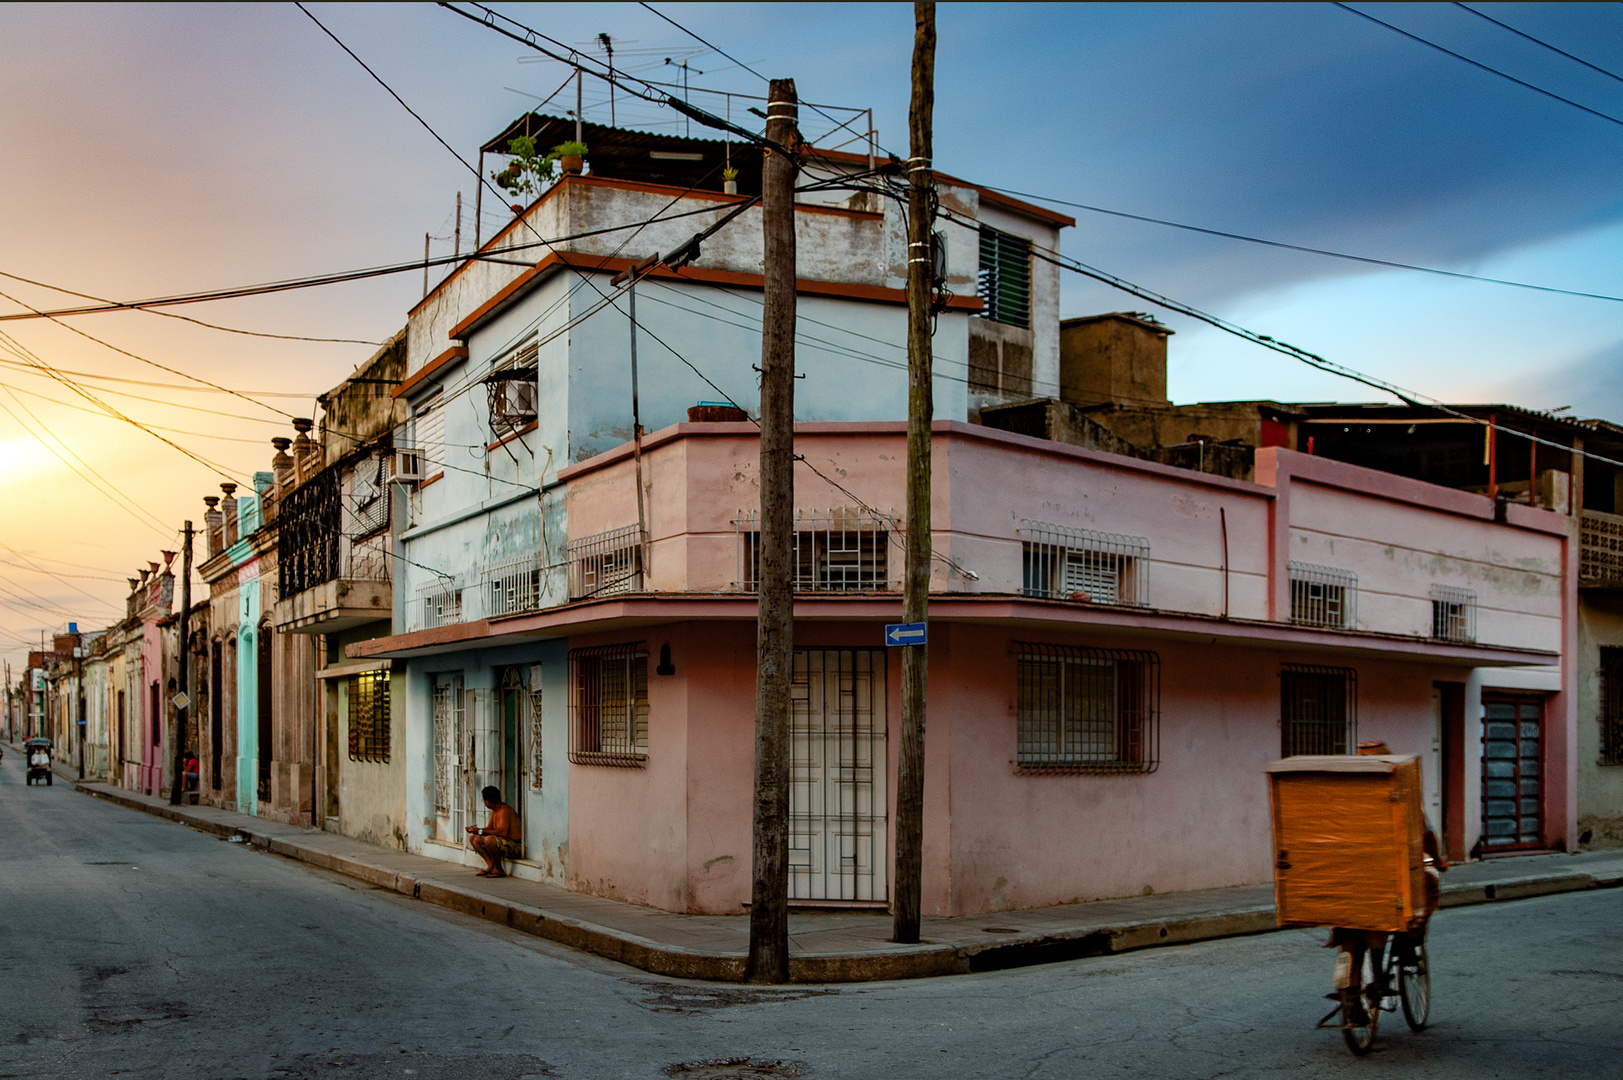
{"points": [[147, 150]]}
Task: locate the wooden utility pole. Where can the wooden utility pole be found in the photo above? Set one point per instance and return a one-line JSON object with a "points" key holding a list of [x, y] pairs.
{"points": [[177, 779], [920, 411], [769, 897]]}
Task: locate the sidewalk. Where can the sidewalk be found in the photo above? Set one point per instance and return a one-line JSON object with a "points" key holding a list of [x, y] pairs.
{"points": [[839, 946]]}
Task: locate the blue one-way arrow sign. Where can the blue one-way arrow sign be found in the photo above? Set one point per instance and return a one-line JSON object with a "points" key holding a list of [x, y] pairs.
{"points": [[904, 633]]}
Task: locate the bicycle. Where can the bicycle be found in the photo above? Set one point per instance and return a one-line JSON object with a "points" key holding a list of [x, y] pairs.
{"points": [[1387, 979]]}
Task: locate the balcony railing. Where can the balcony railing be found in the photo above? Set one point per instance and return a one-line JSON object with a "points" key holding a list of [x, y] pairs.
{"points": [[844, 550], [606, 564], [1061, 563], [1600, 560], [515, 586]]}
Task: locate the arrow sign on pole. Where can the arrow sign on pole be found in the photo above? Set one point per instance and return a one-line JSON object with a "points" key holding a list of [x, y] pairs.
{"points": [[904, 633]]}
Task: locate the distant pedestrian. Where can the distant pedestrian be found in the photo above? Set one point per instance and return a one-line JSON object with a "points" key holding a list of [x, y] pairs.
{"points": [[499, 839]]}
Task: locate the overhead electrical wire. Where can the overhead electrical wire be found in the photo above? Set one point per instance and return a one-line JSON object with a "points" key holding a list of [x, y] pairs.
{"points": [[187, 318], [1540, 41], [1478, 64], [154, 427], [1304, 248], [111, 491], [167, 386]]}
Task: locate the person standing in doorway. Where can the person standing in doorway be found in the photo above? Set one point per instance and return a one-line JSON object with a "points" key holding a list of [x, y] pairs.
{"points": [[499, 839]]}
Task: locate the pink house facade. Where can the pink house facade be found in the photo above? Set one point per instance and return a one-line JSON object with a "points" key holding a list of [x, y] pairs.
{"points": [[1117, 648]]}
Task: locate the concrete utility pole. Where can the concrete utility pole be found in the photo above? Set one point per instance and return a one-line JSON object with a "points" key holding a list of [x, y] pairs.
{"points": [[920, 410], [769, 897], [177, 780]]}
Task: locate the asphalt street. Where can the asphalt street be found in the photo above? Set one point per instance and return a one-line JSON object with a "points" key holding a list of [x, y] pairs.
{"points": [[135, 947]]}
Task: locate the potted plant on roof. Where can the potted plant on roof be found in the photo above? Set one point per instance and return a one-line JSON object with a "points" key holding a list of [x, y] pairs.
{"points": [[729, 180], [528, 170], [571, 155]]}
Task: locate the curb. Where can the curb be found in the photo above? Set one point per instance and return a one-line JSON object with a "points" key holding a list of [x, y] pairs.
{"points": [[925, 961]]}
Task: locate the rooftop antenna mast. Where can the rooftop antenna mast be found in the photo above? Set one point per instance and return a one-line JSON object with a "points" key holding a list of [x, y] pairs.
{"points": [[607, 44]]}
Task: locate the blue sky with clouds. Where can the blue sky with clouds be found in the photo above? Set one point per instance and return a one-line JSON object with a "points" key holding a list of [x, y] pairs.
{"points": [[148, 149]]}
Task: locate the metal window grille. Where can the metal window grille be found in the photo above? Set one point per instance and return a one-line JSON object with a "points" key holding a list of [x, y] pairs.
{"points": [[368, 560], [1611, 706], [1600, 557], [1083, 710], [1453, 613], [1323, 596], [1318, 710], [441, 606], [533, 696], [369, 493], [447, 708], [608, 705], [1061, 563], [607, 564], [515, 585], [1004, 281], [369, 716], [512, 390], [840, 550]]}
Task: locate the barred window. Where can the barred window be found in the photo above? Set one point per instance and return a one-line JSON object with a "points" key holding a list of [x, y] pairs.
{"points": [[1323, 596], [512, 390], [1611, 706], [606, 564], [841, 550], [428, 435], [369, 716], [608, 705], [1080, 564], [1082, 710], [1453, 613], [1318, 710], [1004, 282]]}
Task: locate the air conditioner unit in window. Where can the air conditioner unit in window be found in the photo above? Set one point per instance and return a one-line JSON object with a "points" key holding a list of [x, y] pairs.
{"points": [[408, 466], [513, 401]]}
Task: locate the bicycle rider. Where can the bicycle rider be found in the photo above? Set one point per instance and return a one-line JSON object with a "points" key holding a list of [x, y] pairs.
{"points": [[1357, 942]]}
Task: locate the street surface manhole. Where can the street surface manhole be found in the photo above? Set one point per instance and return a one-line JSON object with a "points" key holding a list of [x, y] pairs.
{"points": [[733, 1069]]}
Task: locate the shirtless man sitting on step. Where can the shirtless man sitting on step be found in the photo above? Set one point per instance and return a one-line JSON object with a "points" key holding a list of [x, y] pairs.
{"points": [[499, 839]]}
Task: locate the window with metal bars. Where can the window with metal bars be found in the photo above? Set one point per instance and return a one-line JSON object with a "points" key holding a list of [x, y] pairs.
{"points": [[368, 716], [606, 564], [1318, 710], [1611, 706], [1080, 564], [1453, 613], [1323, 596], [841, 550], [1004, 282], [1084, 710], [608, 705]]}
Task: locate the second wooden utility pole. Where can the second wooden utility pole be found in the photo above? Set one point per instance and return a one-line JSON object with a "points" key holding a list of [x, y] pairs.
{"points": [[920, 411], [177, 782], [769, 895]]}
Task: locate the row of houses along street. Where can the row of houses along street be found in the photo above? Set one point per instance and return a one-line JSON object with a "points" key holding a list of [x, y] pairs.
{"points": [[472, 569]]}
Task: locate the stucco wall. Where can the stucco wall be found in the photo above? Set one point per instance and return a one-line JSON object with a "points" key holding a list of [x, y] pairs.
{"points": [[1600, 787], [372, 794]]}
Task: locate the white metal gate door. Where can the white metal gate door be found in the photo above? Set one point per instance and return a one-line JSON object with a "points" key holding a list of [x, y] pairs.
{"points": [[837, 763], [448, 752]]}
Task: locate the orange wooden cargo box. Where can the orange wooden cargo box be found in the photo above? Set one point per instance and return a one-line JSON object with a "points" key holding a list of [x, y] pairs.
{"points": [[1347, 847]]}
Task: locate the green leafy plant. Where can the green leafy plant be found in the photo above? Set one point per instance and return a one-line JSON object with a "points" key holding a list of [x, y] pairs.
{"points": [[729, 173], [529, 170], [570, 149]]}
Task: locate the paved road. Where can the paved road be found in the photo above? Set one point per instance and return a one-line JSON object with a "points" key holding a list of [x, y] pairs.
{"points": [[134, 947]]}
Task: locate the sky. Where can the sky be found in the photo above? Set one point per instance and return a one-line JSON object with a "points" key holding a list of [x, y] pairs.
{"points": [[154, 149]]}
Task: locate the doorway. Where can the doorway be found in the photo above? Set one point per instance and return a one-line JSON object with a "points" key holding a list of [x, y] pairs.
{"points": [[1512, 771], [837, 764]]}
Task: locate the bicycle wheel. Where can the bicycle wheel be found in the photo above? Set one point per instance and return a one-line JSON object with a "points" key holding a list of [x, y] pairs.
{"points": [[1361, 1010], [1414, 987]]}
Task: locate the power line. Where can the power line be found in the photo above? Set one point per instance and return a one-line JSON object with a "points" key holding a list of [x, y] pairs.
{"points": [[154, 427], [119, 499], [187, 318], [1540, 41], [144, 360], [166, 386], [1301, 247], [1478, 64]]}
